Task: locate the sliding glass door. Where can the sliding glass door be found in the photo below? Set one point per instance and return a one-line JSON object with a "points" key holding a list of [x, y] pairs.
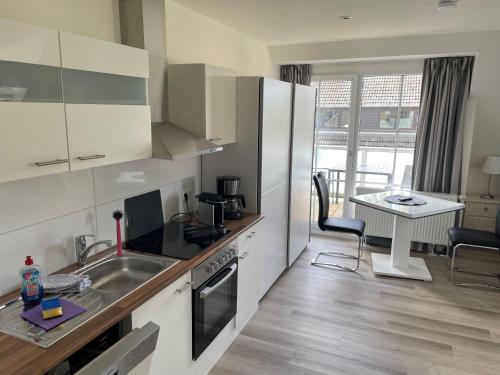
{"points": [[335, 132], [365, 135]]}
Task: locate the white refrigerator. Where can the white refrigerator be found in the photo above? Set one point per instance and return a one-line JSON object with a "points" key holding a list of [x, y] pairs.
{"points": [[262, 158]]}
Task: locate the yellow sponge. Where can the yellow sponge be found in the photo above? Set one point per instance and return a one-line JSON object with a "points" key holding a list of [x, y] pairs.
{"points": [[51, 308]]}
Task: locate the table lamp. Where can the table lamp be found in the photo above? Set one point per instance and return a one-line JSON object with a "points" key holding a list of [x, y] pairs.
{"points": [[491, 166]]}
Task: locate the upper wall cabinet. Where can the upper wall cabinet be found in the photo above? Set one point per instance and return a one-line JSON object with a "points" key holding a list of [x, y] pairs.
{"points": [[32, 119], [84, 53], [202, 100], [33, 140], [105, 93], [26, 43], [69, 102], [107, 134]]}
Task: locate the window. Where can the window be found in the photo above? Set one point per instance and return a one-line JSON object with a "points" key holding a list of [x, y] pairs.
{"points": [[407, 119], [374, 150], [387, 119], [387, 129]]}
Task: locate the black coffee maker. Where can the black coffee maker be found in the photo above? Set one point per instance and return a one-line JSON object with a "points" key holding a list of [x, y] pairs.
{"points": [[229, 188]]}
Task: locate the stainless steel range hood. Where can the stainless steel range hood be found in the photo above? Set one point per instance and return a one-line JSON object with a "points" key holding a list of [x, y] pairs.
{"points": [[172, 142], [142, 24]]}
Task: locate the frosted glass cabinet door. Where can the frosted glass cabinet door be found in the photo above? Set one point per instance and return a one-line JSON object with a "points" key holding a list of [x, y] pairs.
{"points": [[107, 134], [21, 82], [33, 140], [82, 87]]}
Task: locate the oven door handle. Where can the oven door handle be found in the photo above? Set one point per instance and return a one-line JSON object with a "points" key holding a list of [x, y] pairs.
{"points": [[210, 289]]}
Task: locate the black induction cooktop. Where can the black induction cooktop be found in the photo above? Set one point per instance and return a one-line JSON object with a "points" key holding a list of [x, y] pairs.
{"points": [[177, 240]]}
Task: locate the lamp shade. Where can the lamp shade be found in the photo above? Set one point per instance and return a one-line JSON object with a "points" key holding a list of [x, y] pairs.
{"points": [[492, 165]]}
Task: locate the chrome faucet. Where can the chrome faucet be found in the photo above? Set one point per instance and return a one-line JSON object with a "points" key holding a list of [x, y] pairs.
{"points": [[82, 251]]}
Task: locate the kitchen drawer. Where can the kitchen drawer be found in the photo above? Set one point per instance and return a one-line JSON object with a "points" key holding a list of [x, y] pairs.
{"points": [[479, 222], [248, 237], [481, 209]]}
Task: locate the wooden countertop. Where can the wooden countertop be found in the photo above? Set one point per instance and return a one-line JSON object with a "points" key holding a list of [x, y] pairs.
{"points": [[21, 357]]}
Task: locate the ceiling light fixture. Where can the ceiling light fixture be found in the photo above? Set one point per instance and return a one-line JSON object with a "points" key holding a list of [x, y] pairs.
{"points": [[445, 4], [345, 17]]}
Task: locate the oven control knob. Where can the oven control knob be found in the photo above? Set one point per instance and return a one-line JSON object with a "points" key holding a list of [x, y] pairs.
{"points": [[221, 260]]}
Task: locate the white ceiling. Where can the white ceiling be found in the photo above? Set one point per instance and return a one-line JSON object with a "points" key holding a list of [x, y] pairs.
{"points": [[303, 21]]}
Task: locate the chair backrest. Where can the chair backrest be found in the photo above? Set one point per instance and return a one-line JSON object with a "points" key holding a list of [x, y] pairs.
{"points": [[323, 196], [497, 229]]}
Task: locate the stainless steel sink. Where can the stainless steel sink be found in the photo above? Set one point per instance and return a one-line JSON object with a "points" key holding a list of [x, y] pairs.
{"points": [[112, 279], [120, 275]]}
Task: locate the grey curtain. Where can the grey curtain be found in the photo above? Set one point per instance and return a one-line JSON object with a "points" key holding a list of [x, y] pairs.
{"points": [[296, 74], [438, 149]]}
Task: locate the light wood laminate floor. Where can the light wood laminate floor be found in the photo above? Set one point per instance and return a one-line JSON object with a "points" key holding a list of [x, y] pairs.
{"points": [[320, 321]]}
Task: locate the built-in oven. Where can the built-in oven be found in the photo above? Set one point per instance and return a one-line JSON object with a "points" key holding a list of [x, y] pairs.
{"points": [[215, 284]]}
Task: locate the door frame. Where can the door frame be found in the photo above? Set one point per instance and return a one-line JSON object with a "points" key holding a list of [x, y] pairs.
{"points": [[352, 137]]}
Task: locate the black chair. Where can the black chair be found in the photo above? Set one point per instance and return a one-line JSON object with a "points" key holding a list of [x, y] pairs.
{"points": [[463, 237], [334, 224]]}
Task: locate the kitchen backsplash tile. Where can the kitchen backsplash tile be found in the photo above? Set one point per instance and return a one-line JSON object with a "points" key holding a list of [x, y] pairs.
{"points": [[41, 216], [177, 170], [106, 227], [51, 244], [117, 181], [32, 201], [171, 195]]}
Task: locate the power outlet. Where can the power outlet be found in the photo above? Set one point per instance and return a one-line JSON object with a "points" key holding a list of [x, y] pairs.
{"points": [[182, 201]]}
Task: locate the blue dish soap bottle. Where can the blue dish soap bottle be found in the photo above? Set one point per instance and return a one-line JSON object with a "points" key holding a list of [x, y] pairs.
{"points": [[31, 283]]}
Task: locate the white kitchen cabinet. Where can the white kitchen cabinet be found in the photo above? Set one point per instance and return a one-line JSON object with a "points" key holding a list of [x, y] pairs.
{"points": [[171, 310], [107, 134], [33, 141], [272, 242], [33, 128], [202, 100], [248, 275], [26, 43], [95, 55]]}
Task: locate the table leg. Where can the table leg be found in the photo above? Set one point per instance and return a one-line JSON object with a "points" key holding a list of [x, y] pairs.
{"points": [[399, 263], [402, 231]]}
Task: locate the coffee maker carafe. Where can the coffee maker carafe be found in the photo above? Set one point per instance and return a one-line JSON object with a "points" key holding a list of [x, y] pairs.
{"points": [[229, 188]]}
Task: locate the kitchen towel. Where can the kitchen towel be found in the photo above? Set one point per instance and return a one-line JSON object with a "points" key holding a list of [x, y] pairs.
{"points": [[70, 310], [65, 283]]}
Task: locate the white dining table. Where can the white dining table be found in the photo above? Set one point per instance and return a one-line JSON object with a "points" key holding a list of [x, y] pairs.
{"points": [[399, 263]]}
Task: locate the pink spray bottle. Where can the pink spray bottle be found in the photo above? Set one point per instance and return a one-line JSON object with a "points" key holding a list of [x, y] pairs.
{"points": [[117, 215]]}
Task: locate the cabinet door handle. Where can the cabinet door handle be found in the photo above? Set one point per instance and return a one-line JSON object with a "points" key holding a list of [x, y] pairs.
{"points": [[215, 139], [51, 162], [244, 255], [90, 157], [185, 287]]}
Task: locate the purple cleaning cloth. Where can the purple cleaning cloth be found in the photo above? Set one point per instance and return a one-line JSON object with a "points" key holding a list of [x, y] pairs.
{"points": [[70, 310]]}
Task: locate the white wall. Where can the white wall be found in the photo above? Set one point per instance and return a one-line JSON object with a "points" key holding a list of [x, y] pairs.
{"points": [[194, 38], [485, 84]]}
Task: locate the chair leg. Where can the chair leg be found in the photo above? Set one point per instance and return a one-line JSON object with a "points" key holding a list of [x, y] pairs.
{"points": [[473, 272], [315, 261]]}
